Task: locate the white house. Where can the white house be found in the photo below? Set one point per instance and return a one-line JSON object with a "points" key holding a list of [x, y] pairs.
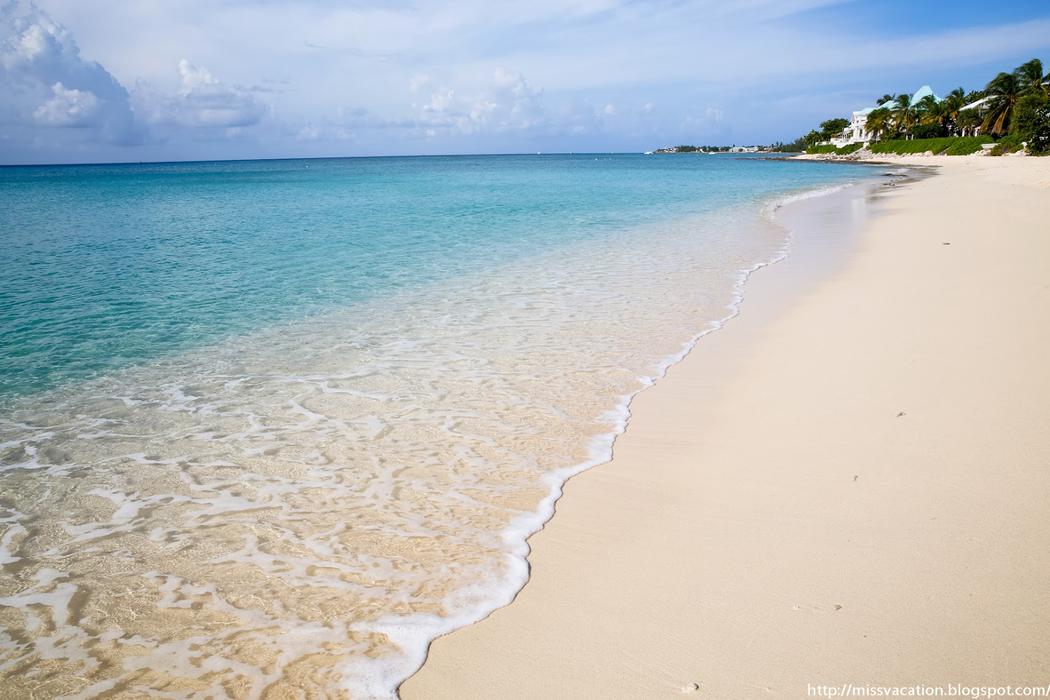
{"points": [[857, 131]]}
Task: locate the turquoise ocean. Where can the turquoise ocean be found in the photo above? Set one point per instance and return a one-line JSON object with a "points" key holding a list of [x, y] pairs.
{"points": [[275, 425]]}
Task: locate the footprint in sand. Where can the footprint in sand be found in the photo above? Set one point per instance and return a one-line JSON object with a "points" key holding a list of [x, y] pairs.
{"points": [[816, 607]]}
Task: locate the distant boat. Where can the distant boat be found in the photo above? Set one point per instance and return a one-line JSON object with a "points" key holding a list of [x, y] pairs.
{"points": [[648, 153]]}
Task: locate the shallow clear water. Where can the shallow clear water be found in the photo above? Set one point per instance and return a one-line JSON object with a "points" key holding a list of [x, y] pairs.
{"points": [[274, 425]]}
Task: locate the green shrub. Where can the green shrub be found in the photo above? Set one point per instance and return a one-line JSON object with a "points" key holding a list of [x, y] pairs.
{"points": [[812, 139], [1007, 144], [905, 146], [796, 146], [1039, 138], [929, 131], [952, 146], [1028, 114], [832, 128], [964, 146], [830, 148]]}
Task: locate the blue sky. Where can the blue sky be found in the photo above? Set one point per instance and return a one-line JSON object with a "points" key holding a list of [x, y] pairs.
{"points": [[134, 80]]}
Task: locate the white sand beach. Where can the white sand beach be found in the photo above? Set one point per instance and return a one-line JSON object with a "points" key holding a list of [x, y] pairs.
{"points": [[849, 483]]}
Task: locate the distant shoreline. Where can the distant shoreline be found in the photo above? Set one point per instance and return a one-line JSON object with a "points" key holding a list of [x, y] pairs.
{"points": [[727, 150]]}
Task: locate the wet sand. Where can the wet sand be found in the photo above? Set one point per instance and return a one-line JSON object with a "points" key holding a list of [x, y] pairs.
{"points": [[848, 483]]}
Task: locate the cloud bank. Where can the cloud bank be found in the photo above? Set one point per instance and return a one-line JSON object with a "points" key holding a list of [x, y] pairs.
{"points": [[242, 78], [57, 103], [47, 85], [202, 101]]}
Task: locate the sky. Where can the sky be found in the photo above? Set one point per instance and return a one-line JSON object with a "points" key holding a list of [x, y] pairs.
{"points": [[158, 80]]}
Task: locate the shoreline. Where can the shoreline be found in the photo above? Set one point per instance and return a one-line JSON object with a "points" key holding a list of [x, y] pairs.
{"points": [[367, 424], [601, 446], [545, 633]]}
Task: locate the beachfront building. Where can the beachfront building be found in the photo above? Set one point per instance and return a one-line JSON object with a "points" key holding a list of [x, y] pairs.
{"points": [[980, 106], [857, 131]]}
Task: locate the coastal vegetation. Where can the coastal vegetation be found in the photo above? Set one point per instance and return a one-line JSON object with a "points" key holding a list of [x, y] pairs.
{"points": [[695, 149], [1012, 111], [796, 146], [831, 148], [1011, 114], [949, 146]]}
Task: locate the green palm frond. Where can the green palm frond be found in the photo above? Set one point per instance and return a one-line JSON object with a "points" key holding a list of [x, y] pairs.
{"points": [[1004, 90]]}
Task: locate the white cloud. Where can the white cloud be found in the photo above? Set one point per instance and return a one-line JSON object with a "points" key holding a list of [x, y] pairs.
{"points": [[440, 101], [67, 107], [201, 101], [194, 78], [505, 102], [431, 75], [46, 83]]}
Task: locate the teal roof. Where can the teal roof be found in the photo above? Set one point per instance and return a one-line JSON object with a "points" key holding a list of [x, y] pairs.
{"points": [[919, 94], [922, 92]]}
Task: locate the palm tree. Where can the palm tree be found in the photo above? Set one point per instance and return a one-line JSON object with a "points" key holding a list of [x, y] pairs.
{"points": [[1031, 79], [1004, 91], [879, 122], [928, 111], [903, 113], [952, 104], [884, 99]]}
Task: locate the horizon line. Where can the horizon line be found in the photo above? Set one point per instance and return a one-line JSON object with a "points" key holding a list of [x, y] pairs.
{"points": [[282, 158]]}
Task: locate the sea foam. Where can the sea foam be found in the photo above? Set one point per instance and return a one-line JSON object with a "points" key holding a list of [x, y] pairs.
{"points": [[309, 504]]}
